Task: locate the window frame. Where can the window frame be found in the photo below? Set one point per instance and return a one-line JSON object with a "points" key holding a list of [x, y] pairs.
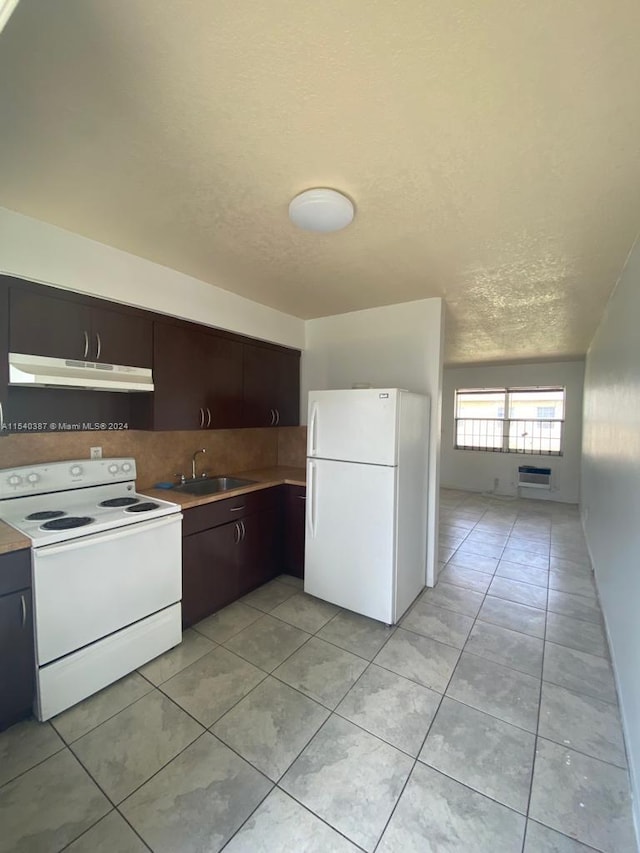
{"points": [[545, 424]]}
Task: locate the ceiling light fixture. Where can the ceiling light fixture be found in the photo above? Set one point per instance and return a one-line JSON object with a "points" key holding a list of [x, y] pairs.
{"points": [[6, 8], [321, 210]]}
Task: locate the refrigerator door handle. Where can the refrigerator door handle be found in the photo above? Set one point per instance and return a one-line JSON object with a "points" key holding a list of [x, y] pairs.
{"points": [[313, 432], [312, 503]]}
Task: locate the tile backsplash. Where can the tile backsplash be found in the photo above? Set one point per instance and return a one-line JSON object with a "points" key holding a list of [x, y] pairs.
{"points": [[292, 446], [159, 455]]}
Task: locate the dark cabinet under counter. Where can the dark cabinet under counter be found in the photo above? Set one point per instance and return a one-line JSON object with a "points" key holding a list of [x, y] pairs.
{"points": [[229, 547], [17, 659], [294, 529]]}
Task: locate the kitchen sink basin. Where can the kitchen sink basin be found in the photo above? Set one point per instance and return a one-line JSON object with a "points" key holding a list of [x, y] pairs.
{"points": [[211, 485]]}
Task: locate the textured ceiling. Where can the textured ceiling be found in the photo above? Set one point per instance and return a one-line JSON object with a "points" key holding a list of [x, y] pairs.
{"points": [[492, 149]]}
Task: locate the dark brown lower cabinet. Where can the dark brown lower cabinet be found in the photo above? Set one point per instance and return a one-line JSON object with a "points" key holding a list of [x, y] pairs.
{"points": [[222, 559], [259, 549], [294, 521], [17, 660], [209, 572]]}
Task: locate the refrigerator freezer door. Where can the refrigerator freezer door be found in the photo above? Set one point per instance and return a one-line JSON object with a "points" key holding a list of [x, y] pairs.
{"points": [[354, 425], [350, 538]]}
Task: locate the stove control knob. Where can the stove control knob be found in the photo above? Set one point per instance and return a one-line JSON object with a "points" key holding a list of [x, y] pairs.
{"points": [[33, 477], [126, 467], [75, 470], [112, 469], [14, 480]]}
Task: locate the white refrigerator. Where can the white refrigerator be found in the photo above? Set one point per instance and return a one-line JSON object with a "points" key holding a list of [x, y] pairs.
{"points": [[366, 516]]}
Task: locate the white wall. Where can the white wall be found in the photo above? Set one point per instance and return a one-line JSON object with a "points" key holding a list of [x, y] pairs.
{"points": [[611, 491], [41, 252], [476, 470], [396, 346]]}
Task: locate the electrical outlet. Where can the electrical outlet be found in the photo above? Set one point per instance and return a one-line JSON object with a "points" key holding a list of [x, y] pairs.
{"points": [[96, 453]]}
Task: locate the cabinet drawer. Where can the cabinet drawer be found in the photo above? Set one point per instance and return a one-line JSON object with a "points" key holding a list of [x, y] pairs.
{"points": [[231, 509], [15, 571]]}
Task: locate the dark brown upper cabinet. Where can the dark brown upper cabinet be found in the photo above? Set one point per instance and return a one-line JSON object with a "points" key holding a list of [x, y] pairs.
{"points": [[197, 379], [204, 378], [60, 326], [271, 386]]}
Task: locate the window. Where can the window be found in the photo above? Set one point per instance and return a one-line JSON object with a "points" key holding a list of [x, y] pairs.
{"points": [[546, 412], [510, 420]]}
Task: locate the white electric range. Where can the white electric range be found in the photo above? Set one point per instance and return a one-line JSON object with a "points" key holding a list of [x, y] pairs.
{"points": [[106, 571]]}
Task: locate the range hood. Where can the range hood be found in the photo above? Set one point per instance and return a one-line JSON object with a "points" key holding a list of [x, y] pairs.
{"points": [[38, 371]]}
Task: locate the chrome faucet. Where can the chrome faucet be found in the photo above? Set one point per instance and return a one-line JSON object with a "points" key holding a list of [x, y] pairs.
{"points": [[193, 462]]}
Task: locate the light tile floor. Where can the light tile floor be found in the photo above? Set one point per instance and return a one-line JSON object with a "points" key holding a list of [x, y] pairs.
{"points": [[487, 721]]}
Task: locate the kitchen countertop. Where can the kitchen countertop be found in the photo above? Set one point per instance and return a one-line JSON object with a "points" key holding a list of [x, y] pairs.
{"points": [[11, 539], [264, 479]]}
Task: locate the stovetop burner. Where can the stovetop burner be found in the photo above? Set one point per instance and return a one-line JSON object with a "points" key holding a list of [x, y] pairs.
{"points": [[67, 523], [45, 515], [119, 502], [146, 506]]}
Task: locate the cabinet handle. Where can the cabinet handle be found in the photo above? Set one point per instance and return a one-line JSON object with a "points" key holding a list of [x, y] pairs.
{"points": [[23, 611], [208, 417], [301, 497], [236, 508], [86, 344], [236, 537], [244, 530], [98, 346], [277, 416], [273, 417], [1, 419], [201, 418]]}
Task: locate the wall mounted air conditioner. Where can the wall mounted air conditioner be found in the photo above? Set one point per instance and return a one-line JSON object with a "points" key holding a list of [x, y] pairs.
{"points": [[534, 478]]}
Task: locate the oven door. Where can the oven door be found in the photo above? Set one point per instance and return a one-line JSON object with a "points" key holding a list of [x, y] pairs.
{"points": [[90, 587]]}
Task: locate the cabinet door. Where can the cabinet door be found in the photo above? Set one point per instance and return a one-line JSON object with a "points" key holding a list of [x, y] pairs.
{"points": [[221, 361], [209, 571], [178, 379], [17, 663], [294, 530], [271, 387], [259, 380], [48, 325], [121, 338], [287, 402], [260, 549]]}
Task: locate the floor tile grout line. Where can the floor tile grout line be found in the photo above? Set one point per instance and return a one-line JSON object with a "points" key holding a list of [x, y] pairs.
{"points": [[33, 766], [500, 663], [581, 692], [97, 783], [463, 648], [277, 785], [444, 694], [433, 719], [331, 712], [535, 743], [117, 805], [152, 687], [587, 847], [93, 826], [272, 673]]}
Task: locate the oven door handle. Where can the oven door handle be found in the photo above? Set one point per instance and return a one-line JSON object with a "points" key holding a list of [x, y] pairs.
{"points": [[118, 533]]}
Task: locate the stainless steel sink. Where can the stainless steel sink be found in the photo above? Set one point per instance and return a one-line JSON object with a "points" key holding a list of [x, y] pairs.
{"points": [[211, 485]]}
